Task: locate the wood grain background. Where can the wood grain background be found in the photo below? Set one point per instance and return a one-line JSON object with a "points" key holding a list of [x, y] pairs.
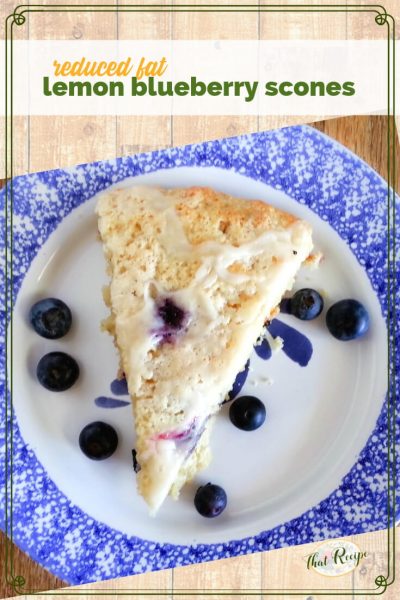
{"points": [[44, 143]]}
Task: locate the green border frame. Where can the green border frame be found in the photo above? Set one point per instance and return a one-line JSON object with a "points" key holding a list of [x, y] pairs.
{"points": [[17, 18]]}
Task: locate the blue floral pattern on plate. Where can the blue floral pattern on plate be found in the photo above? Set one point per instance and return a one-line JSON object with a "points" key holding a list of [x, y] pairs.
{"points": [[313, 170]]}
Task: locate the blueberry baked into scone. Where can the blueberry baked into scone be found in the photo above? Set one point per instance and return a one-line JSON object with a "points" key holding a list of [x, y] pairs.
{"points": [[194, 276]]}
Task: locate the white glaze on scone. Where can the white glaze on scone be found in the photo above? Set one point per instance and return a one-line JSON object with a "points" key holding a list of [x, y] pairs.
{"points": [[226, 263]]}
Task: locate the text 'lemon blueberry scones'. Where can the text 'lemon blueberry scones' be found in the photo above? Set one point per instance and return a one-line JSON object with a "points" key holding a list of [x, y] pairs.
{"points": [[194, 275]]}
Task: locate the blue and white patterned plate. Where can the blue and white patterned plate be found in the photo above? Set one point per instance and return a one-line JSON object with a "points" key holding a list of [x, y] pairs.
{"points": [[316, 469]]}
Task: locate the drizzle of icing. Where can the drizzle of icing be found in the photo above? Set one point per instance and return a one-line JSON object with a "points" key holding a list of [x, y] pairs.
{"points": [[215, 261]]}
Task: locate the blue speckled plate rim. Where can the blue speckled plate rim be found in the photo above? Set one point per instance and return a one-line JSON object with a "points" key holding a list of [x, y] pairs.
{"points": [[98, 552]]}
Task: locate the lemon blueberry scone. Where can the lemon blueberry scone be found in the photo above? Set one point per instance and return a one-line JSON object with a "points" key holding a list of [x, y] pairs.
{"points": [[194, 275]]}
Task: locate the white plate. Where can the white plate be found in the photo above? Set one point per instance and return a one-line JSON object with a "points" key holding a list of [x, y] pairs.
{"points": [[318, 417]]}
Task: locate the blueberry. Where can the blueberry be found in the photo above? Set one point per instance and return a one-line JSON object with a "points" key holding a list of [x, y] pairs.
{"points": [[347, 320], [247, 413], [51, 318], [98, 440], [174, 320], [306, 304], [171, 314], [57, 371], [210, 500]]}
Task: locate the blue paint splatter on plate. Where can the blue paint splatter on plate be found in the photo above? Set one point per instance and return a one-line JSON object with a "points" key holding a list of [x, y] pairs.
{"points": [[296, 345], [263, 349], [107, 402], [119, 387]]}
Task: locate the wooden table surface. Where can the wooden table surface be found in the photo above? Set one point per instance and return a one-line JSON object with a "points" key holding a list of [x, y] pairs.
{"points": [[366, 136]]}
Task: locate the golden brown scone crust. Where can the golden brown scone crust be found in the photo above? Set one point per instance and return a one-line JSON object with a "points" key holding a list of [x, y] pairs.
{"points": [[157, 242]]}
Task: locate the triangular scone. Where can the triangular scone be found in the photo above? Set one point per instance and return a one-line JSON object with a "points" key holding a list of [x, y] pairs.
{"points": [[194, 275]]}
